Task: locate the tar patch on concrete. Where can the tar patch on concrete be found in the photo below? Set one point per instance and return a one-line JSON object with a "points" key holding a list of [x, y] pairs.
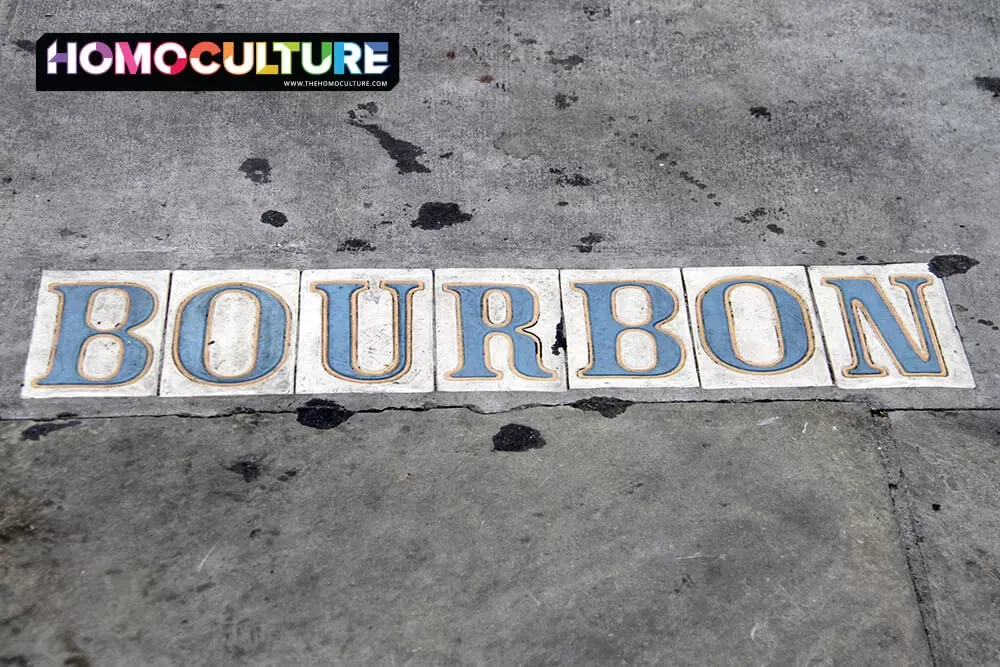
{"points": [[775, 228], [40, 430], [569, 62], [438, 215], [559, 344], [574, 180], [257, 169], [250, 470], [355, 245], [322, 414], [563, 101], [607, 406], [750, 216], [517, 438], [25, 45], [760, 112], [990, 84], [274, 218], [943, 266], [402, 152], [588, 242]]}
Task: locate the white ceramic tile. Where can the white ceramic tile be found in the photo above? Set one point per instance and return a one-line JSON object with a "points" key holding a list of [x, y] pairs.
{"points": [[748, 333], [544, 284], [232, 328], [636, 349], [389, 366], [95, 355], [943, 332]]}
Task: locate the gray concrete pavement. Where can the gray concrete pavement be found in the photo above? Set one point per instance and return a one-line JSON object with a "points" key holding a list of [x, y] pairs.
{"points": [[948, 463], [667, 535], [846, 132]]}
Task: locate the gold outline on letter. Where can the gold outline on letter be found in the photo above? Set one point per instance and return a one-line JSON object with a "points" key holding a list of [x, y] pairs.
{"points": [[858, 310], [807, 321], [649, 320], [90, 302], [522, 329], [355, 316], [175, 343]]}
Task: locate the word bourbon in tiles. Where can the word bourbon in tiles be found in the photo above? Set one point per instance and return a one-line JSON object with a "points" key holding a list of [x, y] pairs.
{"points": [[214, 333]]}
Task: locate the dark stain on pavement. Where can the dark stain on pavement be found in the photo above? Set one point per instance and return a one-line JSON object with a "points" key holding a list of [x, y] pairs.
{"points": [[750, 216], [569, 62], [517, 438], [438, 215], [66, 232], [257, 169], [322, 414], [760, 112], [37, 431], [596, 13], [990, 84], [402, 152], [588, 242], [25, 45], [274, 218], [576, 180], [775, 228], [564, 101], [559, 345], [943, 266], [608, 406], [355, 245], [369, 107], [287, 475], [250, 470], [485, 78]]}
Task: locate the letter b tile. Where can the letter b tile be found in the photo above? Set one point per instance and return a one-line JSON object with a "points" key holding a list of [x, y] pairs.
{"points": [[97, 334]]}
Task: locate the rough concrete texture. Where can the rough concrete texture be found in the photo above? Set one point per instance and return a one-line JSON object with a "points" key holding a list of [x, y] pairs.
{"points": [[549, 135], [949, 463], [663, 536], [677, 134]]}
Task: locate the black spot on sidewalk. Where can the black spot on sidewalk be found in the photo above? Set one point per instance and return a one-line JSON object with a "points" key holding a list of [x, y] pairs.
{"points": [[990, 84], [559, 345], [438, 215], [355, 245], [563, 101], [402, 152], [943, 266], [750, 216], [760, 112], [576, 180], [569, 62], [25, 45], [608, 406], [250, 470], [322, 414], [287, 475], [588, 242], [775, 228], [42, 429], [257, 169], [274, 218], [370, 107], [517, 438]]}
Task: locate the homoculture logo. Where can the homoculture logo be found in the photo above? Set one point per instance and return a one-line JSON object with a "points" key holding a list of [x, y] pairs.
{"points": [[217, 61]]}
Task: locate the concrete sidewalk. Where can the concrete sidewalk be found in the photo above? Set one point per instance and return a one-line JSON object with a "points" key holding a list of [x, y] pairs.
{"points": [[784, 526]]}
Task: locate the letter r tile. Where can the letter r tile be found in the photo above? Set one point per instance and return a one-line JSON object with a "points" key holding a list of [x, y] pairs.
{"points": [[755, 326], [627, 328], [97, 334], [366, 331], [231, 333], [889, 326], [496, 330]]}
